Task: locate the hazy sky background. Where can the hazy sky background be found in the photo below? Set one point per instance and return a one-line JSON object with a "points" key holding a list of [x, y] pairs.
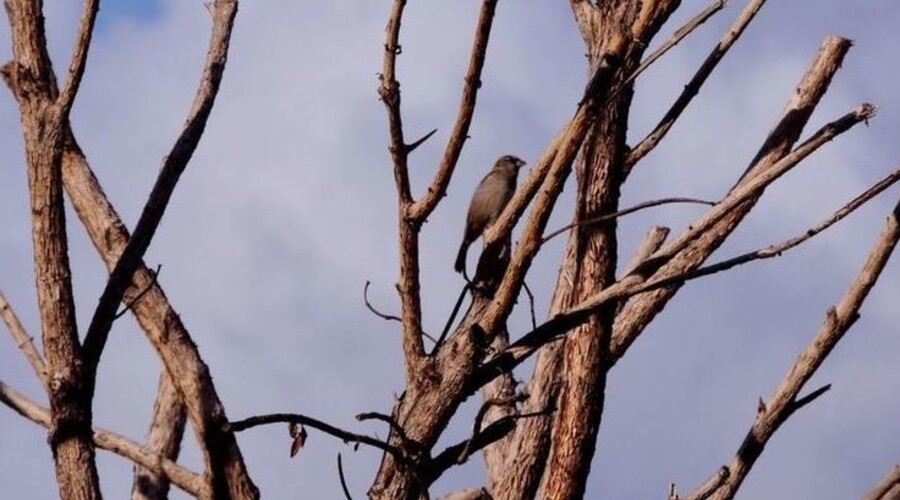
{"points": [[288, 208]]}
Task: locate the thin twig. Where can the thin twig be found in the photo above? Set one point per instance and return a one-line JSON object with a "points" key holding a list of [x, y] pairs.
{"points": [[626, 211], [710, 485], [628, 287], [187, 480], [388, 317], [79, 60], [296, 418], [677, 36], [412, 147], [343, 480], [530, 303], [452, 318], [479, 418], [140, 295], [24, 341], [396, 427], [693, 87], [173, 165]]}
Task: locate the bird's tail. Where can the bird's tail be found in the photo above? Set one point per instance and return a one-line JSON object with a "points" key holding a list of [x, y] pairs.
{"points": [[460, 265]]}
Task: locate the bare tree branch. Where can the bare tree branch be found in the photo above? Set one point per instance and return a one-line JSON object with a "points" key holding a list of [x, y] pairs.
{"points": [[30, 77], [164, 439], [79, 59], [624, 212], [888, 488], [420, 210], [344, 487], [693, 87], [680, 34], [24, 341], [188, 481], [387, 317], [296, 418], [838, 321], [160, 322], [633, 283], [224, 12]]}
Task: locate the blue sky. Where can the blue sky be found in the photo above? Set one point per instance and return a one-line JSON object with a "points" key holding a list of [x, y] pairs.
{"points": [[288, 208]]}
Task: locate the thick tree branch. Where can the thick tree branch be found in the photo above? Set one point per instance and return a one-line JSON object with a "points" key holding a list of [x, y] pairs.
{"points": [[188, 481], [638, 313], [559, 171], [838, 321], [693, 87], [680, 34], [624, 212], [633, 283], [888, 488], [30, 77]]}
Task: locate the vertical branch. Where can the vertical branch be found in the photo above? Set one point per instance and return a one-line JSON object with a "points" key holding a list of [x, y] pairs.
{"points": [[164, 439], [408, 227], [30, 76], [224, 12]]}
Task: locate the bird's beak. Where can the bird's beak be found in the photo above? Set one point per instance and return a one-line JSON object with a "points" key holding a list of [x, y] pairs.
{"points": [[520, 163]]}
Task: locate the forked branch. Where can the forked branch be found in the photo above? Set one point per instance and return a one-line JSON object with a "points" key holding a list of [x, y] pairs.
{"points": [[176, 161], [189, 481], [838, 321]]}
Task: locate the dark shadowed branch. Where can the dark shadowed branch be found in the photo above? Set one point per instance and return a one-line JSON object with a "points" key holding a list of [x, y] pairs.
{"points": [[224, 12], [693, 87]]}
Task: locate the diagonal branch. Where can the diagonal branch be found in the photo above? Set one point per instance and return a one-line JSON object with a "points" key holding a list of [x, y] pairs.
{"points": [[888, 488], [420, 210], [224, 12], [408, 285], [838, 321], [189, 481], [551, 188], [693, 87], [79, 59], [624, 212], [24, 341], [633, 283], [680, 34]]}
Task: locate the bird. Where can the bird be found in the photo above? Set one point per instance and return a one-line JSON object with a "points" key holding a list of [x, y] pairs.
{"points": [[488, 201]]}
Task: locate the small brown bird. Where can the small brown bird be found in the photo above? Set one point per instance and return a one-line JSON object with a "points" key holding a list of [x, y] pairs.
{"points": [[491, 196]]}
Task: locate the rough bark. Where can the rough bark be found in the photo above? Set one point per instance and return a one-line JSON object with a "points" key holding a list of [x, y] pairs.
{"points": [[69, 389], [164, 439]]}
